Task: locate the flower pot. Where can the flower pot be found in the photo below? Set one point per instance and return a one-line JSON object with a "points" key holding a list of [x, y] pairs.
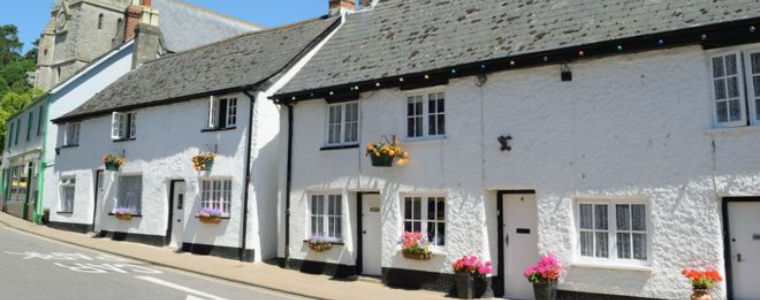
{"points": [[465, 284], [545, 290], [205, 166], [112, 166], [382, 161], [418, 256], [124, 217], [210, 220], [701, 294]]}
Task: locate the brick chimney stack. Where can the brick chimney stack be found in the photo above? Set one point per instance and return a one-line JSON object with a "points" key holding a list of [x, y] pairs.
{"points": [[142, 25], [140, 11], [340, 7]]}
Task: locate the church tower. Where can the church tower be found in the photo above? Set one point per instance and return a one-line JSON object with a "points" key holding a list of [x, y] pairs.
{"points": [[79, 31]]}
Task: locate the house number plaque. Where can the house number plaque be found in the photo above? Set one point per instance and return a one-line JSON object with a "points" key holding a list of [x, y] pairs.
{"points": [[756, 237], [374, 209]]}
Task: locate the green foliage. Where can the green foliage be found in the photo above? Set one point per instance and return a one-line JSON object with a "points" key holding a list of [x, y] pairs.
{"points": [[15, 90]]}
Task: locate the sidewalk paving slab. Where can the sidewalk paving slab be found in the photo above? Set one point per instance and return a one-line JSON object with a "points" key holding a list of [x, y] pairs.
{"points": [[255, 274]]}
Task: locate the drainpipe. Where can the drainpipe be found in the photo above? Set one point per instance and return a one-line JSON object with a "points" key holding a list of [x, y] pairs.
{"points": [[39, 211], [243, 256], [287, 183]]}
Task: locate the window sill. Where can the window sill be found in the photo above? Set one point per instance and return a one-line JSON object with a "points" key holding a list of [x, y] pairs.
{"points": [[218, 129], [133, 215], [69, 146], [721, 131], [124, 140], [223, 218], [329, 242], [613, 266], [339, 147], [424, 139], [65, 212]]}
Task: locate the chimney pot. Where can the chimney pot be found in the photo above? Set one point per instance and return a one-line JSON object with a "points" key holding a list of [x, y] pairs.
{"points": [[147, 3], [339, 7]]}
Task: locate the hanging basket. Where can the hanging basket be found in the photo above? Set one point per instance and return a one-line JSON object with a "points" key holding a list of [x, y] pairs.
{"points": [[384, 153], [112, 166], [210, 221], [418, 256], [384, 161], [203, 161]]}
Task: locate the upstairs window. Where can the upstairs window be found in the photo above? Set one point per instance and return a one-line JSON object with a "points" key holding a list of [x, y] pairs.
{"points": [[18, 131], [736, 88], [29, 120], [426, 115], [222, 113], [343, 124], [40, 119], [613, 231], [71, 136], [10, 136], [123, 126]]}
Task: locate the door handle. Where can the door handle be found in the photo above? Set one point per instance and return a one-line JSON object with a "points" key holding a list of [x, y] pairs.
{"points": [[179, 220], [364, 231], [739, 257]]}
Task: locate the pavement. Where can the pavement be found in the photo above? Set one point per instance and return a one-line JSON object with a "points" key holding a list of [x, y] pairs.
{"points": [[272, 278]]}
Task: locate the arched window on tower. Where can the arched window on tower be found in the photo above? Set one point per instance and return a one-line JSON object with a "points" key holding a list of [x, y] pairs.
{"points": [[100, 21]]}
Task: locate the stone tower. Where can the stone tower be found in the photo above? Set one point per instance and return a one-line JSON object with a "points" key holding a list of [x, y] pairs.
{"points": [[79, 31]]}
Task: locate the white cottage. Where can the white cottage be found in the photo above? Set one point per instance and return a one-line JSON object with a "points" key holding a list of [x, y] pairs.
{"points": [[209, 100], [619, 136]]}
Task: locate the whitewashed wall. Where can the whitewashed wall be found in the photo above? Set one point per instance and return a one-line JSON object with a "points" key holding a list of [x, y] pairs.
{"points": [[637, 125]]}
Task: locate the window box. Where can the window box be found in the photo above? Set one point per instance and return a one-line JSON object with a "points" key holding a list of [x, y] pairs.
{"points": [[210, 220], [319, 244], [123, 214], [417, 256]]}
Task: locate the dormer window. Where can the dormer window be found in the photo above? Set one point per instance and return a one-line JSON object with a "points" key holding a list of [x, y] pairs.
{"points": [[123, 126], [222, 113]]}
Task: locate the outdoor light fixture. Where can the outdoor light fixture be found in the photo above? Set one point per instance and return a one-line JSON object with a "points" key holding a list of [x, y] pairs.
{"points": [[566, 74]]}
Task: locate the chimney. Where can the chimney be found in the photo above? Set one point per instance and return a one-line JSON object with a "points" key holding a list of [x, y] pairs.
{"points": [[137, 12], [147, 34], [340, 7]]}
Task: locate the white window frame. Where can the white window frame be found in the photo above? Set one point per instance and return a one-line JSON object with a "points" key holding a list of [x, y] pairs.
{"points": [[424, 201], [741, 81], [216, 193], [752, 97], [138, 205], [123, 125], [612, 231], [231, 113], [67, 182], [344, 123], [71, 134], [326, 217], [425, 96]]}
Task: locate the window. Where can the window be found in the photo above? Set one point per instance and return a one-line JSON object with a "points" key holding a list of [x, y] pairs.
{"points": [[327, 209], [124, 126], [613, 231], [40, 119], [71, 138], [727, 83], [10, 136], [428, 215], [222, 113], [18, 131], [343, 124], [217, 194], [29, 120], [130, 193], [67, 194], [100, 21], [426, 115], [753, 72]]}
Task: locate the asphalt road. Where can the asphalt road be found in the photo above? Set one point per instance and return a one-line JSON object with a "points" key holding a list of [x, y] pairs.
{"points": [[35, 268]]}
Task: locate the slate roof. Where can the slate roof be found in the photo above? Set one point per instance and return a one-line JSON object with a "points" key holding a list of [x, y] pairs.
{"points": [[400, 37], [248, 60], [184, 26]]}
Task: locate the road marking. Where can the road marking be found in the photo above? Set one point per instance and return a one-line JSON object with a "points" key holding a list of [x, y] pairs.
{"points": [[178, 287]]}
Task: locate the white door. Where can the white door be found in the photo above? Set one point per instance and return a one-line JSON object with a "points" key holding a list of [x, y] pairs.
{"points": [[744, 228], [371, 243], [520, 243], [178, 215]]}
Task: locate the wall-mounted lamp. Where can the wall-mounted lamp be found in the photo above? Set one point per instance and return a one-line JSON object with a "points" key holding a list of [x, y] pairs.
{"points": [[58, 151], [566, 74], [504, 141]]}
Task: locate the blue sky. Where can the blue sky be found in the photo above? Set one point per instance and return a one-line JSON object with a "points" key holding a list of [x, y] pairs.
{"points": [[30, 16]]}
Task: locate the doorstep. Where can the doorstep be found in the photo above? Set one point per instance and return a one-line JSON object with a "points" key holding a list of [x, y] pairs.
{"points": [[255, 274]]}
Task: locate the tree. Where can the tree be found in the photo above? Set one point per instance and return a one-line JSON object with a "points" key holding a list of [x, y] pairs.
{"points": [[15, 90]]}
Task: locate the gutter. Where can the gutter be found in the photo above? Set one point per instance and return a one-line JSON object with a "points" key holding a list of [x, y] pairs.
{"points": [[249, 139], [288, 177], [41, 167]]}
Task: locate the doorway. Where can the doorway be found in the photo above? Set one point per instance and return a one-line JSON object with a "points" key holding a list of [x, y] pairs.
{"points": [[518, 249], [370, 247], [99, 192], [176, 227], [741, 223]]}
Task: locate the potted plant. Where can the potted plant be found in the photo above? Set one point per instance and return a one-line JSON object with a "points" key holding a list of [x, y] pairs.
{"points": [[702, 283], [385, 153], [203, 161], [123, 213], [544, 277], [470, 272], [209, 216], [415, 246], [113, 162], [319, 244]]}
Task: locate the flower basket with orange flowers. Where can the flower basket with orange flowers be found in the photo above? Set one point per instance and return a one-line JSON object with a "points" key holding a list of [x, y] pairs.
{"points": [[113, 162], [383, 154], [203, 161], [702, 283]]}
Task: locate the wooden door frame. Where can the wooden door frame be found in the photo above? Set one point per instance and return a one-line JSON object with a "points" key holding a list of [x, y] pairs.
{"points": [[359, 264], [727, 239], [168, 237], [498, 281]]}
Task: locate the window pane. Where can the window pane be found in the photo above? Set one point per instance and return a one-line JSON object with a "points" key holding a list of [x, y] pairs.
{"points": [[408, 208], [733, 87], [624, 245], [314, 228], [431, 205], [441, 209], [600, 216], [602, 244], [431, 232], [639, 217], [408, 226], [442, 124], [755, 58], [417, 212], [623, 217], [587, 244], [441, 237], [417, 227], [432, 126], [586, 216], [731, 64], [639, 246], [735, 110], [720, 89], [722, 111], [718, 67]]}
